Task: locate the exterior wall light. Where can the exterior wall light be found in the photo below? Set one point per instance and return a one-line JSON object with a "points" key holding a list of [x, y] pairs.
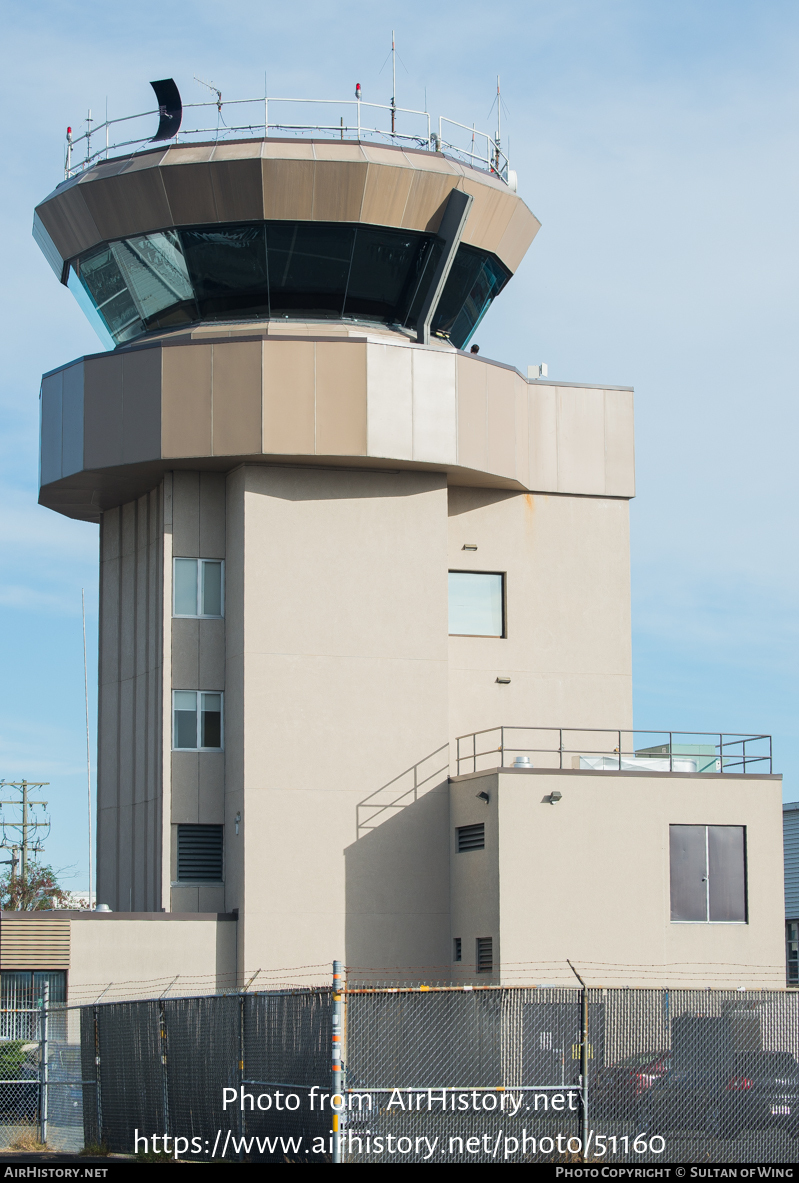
{"points": [[469, 546], [503, 681], [554, 797], [483, 797]]}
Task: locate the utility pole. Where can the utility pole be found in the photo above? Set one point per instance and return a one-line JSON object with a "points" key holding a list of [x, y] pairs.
{"points": [[28, 825]]}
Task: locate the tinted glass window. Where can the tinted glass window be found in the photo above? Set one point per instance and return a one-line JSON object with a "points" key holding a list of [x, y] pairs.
{"points": [[309, 265], [228, 269], [284, 269], [473, 282]]}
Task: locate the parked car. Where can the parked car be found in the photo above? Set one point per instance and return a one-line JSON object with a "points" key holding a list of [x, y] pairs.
{"points": [[618, 1089], [750, 1090]]}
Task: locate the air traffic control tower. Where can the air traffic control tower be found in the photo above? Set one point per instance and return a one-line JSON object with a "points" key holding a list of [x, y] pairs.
{"points": [[332, 538]]}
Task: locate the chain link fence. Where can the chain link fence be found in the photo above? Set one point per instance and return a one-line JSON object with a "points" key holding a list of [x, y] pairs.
{"points": [[446, 1074]]}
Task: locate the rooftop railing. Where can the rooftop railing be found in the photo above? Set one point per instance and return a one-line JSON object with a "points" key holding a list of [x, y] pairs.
{"points": [[604, 750], [342, 119]]}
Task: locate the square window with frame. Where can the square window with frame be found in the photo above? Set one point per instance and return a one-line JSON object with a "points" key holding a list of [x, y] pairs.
{"points": [[708, 874], [197, 721], [198, 588], [477, 604]]}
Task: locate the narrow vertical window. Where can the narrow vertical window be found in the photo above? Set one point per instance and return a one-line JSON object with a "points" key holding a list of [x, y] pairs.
{"points": [[185, 726], [211, 587], [211, 721], [185, 587], [792, 952]]}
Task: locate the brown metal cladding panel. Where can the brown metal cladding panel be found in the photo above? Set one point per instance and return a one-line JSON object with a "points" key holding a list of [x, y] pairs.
{"points": [[237, 399], [501, 421], [34, 944], [190, 193], [489, 216], [386, 195], [141, 406], [472, 414], [237, 190], [289, 397], [340, 399], [352, 153], [102, 412], [133, 203], [426, 200], [288, 189], [186, 401], [380, 154], [188, 154], [298, 150], [514, 243], [338, 191], [244, 150], [68, 222]]}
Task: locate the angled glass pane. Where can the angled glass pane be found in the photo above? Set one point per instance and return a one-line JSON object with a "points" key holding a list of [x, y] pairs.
{"points": [[688, 860], [211, 588], [309, 265], [211, 721], [185, 587], [228, 269], [185, 726], [383, 277], [475, 604], [105, 284], [154, 271], [474, 281]]}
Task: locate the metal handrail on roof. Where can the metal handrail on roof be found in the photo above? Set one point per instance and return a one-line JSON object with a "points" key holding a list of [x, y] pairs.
{"points": [[694, 752], [475, 148]]}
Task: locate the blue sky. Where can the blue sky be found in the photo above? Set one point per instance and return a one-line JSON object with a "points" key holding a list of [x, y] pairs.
{"points": [[656, 141]]}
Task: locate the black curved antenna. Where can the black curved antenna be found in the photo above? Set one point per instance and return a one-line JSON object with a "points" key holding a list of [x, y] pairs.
{"points": [[170, 109]]}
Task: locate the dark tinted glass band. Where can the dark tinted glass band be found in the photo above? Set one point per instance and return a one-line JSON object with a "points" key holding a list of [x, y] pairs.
{"points": [[296, 270]]}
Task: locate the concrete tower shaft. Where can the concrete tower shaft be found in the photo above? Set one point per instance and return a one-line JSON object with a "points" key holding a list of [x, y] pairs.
{"points": [[288, 413]]}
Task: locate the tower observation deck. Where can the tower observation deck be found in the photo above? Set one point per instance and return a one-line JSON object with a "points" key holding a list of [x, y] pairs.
{"points": [[300, 475]]}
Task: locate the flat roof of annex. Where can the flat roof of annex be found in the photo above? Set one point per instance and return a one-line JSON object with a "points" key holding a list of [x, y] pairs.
{"points": [[271, 179]]}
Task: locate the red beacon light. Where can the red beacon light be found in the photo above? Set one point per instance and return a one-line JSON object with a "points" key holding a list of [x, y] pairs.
{"points": [[358, 91]]}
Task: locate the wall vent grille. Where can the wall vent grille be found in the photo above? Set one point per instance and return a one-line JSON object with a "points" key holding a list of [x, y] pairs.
{"points": [[485, 955], [34, 944], [200, 854], [472, 837]]}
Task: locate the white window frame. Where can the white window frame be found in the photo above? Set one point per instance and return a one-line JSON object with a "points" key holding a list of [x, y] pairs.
{"points": [[200, 563], [198, 712]]}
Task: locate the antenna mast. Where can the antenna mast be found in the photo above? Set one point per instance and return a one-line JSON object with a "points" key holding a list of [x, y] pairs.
{"points": [[393, 84], [499, 127]]}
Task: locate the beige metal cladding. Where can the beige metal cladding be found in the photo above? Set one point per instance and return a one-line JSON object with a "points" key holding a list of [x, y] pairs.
{"points": [[34, 944], [198, 184], [112, 424]]}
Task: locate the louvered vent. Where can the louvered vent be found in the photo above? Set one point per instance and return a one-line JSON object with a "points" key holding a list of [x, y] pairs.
{"points": [[485, 955], [200, 854], [472, 837], [34, 944]]}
